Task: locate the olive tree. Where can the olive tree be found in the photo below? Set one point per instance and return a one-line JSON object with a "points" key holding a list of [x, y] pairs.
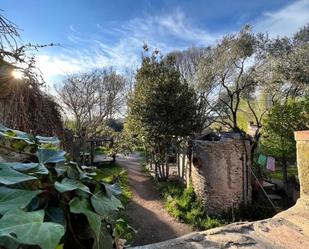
{"points": [[227, 72]]}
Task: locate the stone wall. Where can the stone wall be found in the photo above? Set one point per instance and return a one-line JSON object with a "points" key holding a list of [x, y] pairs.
{"points": [[220, 173]]}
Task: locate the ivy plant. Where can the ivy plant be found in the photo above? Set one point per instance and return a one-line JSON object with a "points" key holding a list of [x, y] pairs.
{"points": [[51, 202]]}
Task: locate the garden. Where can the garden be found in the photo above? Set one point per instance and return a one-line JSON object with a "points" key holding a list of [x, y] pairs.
{"points": [[108, 159]]}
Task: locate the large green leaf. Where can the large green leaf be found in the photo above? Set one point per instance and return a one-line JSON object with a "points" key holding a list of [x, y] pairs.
{"points": [[68, 184], [48, 140], [61, 169], [9, 176], [105, 205], [15, 134], [72, 170], [30, 168], [50, 156], [113, 189], [23, 167], [28, 228], [15, 198], [102, 239], [75, 172], [40, 170]]}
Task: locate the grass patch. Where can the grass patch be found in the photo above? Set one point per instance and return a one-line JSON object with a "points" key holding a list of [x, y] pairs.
{"points": [[114, 173], [104, 150], [292, 171], [183, 204]]}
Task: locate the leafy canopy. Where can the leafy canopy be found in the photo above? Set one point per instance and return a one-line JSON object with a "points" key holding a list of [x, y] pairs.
{"points": [[280, 124]]}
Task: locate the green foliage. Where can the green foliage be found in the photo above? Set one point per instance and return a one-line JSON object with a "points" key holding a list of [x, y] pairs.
{"points": [[292, 171], [123, 231], [162, 108], [280, 124], [226, 78], [115, 174], [52, 201], [20, 227], [161, 103], [115, 124], [104, 150], [183, 204]]}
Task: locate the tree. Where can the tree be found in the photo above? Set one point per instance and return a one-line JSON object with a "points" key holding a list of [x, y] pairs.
{"points": [[92, 98], [188, 63], [279, 126], [161, 109], [286, 66], [227, 74]]}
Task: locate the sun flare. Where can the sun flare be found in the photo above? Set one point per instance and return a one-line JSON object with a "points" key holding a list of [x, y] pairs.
{"points": [[17, 74]]}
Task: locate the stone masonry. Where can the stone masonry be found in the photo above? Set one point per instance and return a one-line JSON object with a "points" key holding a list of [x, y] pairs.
{"points": [[220, 173]]}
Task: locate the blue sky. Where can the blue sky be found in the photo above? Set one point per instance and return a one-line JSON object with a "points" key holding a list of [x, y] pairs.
{"points": [[101, 33]]}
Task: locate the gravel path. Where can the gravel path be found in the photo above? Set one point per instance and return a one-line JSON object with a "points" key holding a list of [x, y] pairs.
{"points": [[146, 211]]}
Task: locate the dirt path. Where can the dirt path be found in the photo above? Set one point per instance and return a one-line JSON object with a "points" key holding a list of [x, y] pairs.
{"points": [[146, 211]]}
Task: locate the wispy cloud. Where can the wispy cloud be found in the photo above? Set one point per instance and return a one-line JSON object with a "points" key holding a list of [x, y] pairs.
{"points": [[120, 44], [285, 21]]}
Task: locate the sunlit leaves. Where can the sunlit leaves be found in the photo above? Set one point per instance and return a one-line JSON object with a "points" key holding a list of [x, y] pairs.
{"points": [[50, 156], [104, 205], [68, 184]]}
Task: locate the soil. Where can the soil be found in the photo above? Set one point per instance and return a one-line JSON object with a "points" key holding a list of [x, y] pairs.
{"points": [[146, 212]]}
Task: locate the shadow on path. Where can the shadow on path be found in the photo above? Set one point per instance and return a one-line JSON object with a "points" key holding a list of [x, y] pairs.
{"points": [[146, 211]]}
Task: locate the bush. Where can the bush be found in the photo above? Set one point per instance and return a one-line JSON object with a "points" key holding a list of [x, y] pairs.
{"points": [[183, 204], [56, 196]]}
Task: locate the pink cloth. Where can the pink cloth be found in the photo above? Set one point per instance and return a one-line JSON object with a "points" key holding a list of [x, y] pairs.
{"points": [[271, 163]]}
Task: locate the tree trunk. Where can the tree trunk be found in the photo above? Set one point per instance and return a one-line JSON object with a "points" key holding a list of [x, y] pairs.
{"points": [[183, 168], [167, 171], [189, 154], [163, 171], [156, 171], [284, 173], [178, 164]]}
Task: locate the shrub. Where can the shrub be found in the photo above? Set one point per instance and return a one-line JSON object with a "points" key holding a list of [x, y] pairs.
{"points": [[52, 201], [183, 204]]}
